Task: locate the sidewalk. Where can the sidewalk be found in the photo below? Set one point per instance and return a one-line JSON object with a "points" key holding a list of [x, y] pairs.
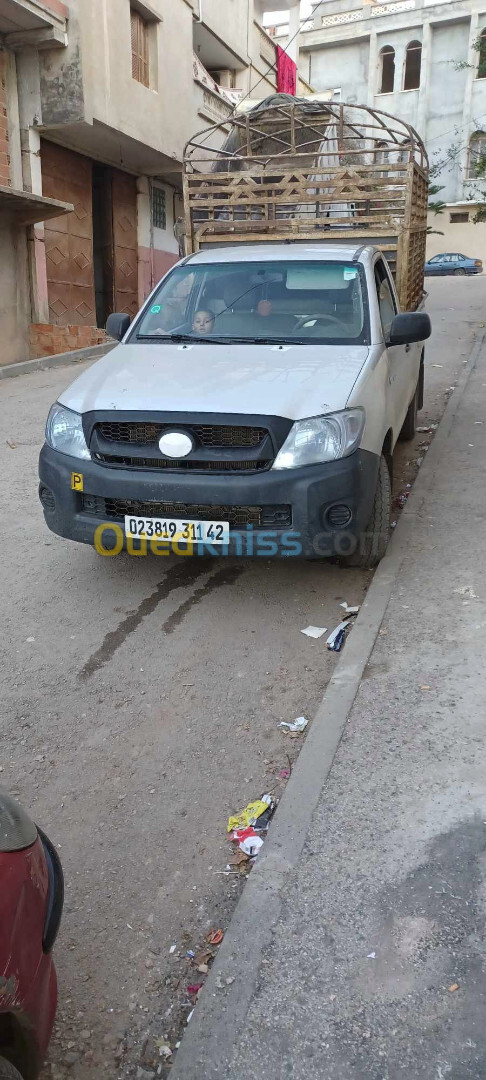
{"points": [[359, 954]]}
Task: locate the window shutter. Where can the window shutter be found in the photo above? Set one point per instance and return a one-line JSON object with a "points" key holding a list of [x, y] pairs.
{"points": [[135, 64], [140, 49]]}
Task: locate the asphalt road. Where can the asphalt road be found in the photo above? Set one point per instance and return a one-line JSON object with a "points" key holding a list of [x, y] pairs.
{"points": [[140, 705]]}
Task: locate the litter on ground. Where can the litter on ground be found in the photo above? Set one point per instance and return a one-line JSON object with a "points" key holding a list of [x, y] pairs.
{"points": [[336, 638], [297, 725], [314, 631], [215, 937], [251, 845], [248, 816], [349, 610]]}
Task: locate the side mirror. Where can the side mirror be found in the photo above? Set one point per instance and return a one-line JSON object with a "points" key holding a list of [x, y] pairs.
{"points": [[408, 327], [117, 325]]}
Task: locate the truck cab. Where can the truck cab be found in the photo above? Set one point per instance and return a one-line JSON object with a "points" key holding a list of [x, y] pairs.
{"points": [[251, 408]]}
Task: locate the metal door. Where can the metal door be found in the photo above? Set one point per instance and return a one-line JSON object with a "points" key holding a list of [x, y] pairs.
{"points": [[125, 242], [69, 240]]}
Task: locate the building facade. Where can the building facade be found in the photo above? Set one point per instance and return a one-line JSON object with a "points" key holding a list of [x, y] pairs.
{"points": [[425, 62], [97, 101]]}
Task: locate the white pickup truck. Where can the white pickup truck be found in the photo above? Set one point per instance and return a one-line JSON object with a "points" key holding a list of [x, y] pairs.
{"points": [[251, 408]]}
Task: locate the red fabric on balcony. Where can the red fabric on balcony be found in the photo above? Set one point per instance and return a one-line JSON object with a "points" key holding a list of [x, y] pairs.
{"points": [[286, 73]]}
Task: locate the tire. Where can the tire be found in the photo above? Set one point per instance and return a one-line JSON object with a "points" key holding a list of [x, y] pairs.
{"points": [[459, 273], [374, 544], [409, 426], [8, 1071]]}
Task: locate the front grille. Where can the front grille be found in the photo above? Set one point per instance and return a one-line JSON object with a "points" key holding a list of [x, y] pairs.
{"points": [[260, 516], [141, 434], [207, 434], [215, 435], [166, 463]]}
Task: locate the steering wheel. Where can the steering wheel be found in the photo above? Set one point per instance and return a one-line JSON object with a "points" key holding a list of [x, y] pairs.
{"points": [[317, 319]]}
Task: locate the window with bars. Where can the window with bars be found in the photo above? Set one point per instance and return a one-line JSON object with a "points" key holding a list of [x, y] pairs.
{"points": [[159, 212], [140, 48]]}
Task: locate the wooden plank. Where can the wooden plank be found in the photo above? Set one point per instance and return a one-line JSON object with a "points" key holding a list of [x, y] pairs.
{"points": [[253, 228], [375, 174], [312, 185], [301, 198]]}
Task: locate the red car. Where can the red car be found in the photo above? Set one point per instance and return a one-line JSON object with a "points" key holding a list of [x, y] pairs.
{"points": [[31, 900]]}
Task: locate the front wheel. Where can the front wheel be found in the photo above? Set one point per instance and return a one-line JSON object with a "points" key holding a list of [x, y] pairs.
{"points": [[8, 1071], [373, 543]]}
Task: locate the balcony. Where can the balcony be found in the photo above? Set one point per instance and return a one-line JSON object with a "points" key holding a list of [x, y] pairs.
{"points": [[214, 103], [33, 24]]}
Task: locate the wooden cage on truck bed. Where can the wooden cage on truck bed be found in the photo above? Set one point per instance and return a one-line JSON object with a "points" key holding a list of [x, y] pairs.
{"points": [[294, 169]]}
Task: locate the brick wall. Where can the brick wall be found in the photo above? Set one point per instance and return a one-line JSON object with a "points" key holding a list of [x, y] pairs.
{"points": [[4, 146], [47, 339]]}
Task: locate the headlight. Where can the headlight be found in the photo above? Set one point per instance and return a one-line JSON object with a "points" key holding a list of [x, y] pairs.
{"points": [[64, 432], [17, 831], [322, 438]]}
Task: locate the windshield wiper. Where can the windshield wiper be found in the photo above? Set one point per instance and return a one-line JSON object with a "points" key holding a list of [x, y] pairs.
{"points": [[207, 340], [178, 338]]}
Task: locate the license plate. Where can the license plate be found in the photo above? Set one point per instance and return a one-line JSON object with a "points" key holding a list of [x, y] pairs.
{"points": [[178, 529]]}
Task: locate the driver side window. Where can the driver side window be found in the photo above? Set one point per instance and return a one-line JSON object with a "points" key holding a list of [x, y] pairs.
{"points": [[386, 299]]}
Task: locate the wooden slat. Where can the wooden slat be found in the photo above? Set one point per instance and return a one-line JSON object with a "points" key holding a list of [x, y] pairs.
{"points": [[280, 225]]}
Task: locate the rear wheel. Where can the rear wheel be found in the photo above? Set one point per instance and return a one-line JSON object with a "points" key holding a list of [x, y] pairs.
{"points": [[375, 538], [460, 272], [8, 1071]]}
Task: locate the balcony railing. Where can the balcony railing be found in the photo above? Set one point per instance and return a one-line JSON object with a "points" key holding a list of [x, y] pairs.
{"points": [[367, 12], [214, 102], [266, 45]]}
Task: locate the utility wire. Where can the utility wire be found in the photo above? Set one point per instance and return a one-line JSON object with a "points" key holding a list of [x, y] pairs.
{"points": [[267, 72]]}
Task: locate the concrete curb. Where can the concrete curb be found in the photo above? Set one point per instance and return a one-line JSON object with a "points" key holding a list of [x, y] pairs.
{"points": [[207, 1045], [43, 363]]}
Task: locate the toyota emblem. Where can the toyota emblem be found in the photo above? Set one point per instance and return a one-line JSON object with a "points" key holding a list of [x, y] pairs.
{"points": [[174, 444]]}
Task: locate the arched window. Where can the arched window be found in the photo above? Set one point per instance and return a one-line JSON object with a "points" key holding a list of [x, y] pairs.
{"points": [[476, 165], [481, 46], [387, 75], [413, 62]]}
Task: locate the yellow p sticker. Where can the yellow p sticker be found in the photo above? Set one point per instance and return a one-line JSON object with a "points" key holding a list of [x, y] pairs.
{"points": [[77, 481]]}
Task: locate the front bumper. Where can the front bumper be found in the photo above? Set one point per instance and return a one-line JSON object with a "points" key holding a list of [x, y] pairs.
{"points": [[318, 496]]}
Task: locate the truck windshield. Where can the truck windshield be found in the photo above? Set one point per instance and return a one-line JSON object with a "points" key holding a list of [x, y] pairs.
{"points": [[295, 301]]}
